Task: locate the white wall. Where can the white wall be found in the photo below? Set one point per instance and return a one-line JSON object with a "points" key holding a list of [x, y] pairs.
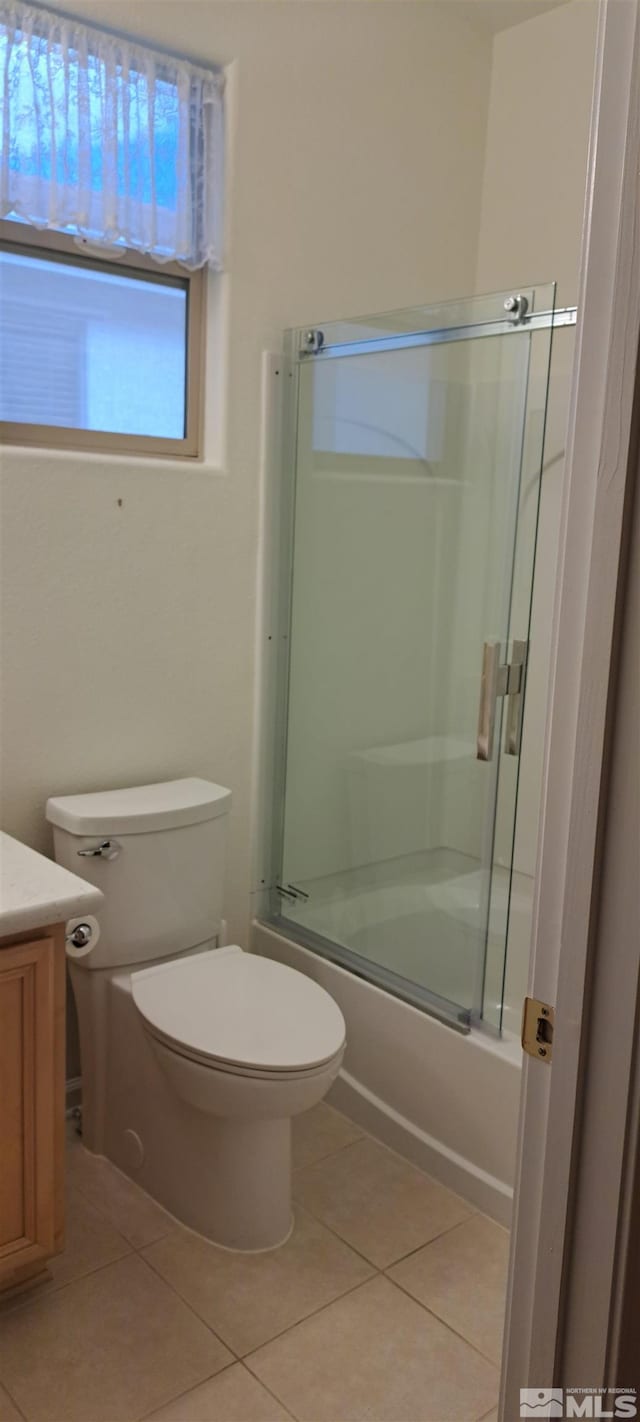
{"points": [[128, 611], [536, 152]]}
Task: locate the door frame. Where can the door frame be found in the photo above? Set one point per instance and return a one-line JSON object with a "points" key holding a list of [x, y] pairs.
{"points": [[543, 1339]]}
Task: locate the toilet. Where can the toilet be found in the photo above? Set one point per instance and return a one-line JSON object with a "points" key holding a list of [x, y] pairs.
{"points": [[195, 1055]]}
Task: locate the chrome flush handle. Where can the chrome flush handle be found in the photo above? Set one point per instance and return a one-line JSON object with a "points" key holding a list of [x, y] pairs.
{"points": [[107, 849]]}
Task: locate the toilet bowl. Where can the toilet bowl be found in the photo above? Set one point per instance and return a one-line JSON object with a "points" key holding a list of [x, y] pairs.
{"points": [[194, 1056]]}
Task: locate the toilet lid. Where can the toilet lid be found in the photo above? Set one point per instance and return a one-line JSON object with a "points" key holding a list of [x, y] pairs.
{"points": [[237, 1008]]}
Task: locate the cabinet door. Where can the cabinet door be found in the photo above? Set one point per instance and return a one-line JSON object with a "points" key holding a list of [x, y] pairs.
{"points": [[31, 1105]]}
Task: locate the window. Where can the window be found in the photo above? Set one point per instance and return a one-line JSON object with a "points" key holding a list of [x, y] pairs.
{"points": [[98, 354], [110, 191]]}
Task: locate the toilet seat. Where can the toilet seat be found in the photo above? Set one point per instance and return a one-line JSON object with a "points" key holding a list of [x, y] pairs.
{"points": [[240, 1013]]}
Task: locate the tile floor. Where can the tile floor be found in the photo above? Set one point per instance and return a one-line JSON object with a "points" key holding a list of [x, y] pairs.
{"points": [[385, 1305]]}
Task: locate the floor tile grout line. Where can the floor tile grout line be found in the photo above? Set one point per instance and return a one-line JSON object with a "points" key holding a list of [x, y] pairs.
{"points": [[235, 1357], [446, 1325], [344, 1242], [128, 1181], [381, 1268], [36, 1296], [285, 1406], [364, 1282], [235, 1362], [473, 1211], [366, 1135], [447, 1230], [108, 1218], [87, 1273], [75, 1186], [139, 1250], [242, 1357], [335, 1150], [348, 1145], [13, 1400], [320, 1159], [353, 1288], [52, 1294], [178, 1396], [247, 1357]]}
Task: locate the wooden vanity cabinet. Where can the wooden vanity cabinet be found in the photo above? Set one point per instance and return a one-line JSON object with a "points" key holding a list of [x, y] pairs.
{"points": [[32, 1102]]}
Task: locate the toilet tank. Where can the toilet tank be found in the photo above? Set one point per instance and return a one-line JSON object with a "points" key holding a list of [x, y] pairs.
{"points": [[161, 865]]}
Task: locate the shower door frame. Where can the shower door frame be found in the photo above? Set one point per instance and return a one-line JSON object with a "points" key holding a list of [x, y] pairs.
{"points": [[288, 367]]}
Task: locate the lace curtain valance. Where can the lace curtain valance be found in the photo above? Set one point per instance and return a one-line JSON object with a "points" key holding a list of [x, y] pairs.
{"points": [[109, 140]]}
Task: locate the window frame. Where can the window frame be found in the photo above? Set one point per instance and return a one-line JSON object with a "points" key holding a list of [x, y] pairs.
{"points": [[63, 247]]}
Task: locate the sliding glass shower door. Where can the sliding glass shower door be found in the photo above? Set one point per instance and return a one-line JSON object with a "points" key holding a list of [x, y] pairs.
{"points": [[415, 437]]}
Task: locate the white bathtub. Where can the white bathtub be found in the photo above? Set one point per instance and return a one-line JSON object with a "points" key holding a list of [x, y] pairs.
{"points": [[446, 1100]]}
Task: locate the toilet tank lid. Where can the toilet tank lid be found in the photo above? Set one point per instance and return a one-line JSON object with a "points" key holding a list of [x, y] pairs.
{"points": [[141, 808]]}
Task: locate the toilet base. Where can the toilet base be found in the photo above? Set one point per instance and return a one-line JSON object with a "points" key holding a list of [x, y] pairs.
{"points": [[228, 1180], [240, 1198], [244, 1194]]}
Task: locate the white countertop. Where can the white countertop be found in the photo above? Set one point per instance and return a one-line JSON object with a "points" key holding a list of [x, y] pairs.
{"points": [[35, 892]]}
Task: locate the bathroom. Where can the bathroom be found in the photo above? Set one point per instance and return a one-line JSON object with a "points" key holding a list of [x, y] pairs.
{"points": [[380, 156]]}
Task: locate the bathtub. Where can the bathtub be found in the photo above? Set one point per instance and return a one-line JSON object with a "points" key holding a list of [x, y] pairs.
{"points": [[446, 1100]]}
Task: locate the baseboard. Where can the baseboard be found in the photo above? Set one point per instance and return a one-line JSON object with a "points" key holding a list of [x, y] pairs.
{"points": [[73, 1094], [484, 1191]]}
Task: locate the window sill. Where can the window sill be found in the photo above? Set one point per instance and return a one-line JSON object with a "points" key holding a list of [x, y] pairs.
{"points": [[187, 464]]}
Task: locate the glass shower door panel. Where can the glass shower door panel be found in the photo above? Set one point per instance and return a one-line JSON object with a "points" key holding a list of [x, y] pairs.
{"points": [[407, 487], [515, 836]]}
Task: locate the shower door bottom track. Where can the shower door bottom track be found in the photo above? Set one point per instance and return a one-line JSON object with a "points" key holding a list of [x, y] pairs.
{"points": [[444, 1011]]}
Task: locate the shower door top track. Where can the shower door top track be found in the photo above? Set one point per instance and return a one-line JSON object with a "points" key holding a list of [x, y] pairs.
{"points": [[533, 321]]}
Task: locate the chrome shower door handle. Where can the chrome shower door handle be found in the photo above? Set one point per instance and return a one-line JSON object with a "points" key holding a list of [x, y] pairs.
{"points": [[515, 699], [501, 679], [489, 692]]}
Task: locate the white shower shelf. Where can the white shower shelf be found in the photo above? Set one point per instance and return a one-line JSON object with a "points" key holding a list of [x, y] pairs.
{"points": [[433, 750]]}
